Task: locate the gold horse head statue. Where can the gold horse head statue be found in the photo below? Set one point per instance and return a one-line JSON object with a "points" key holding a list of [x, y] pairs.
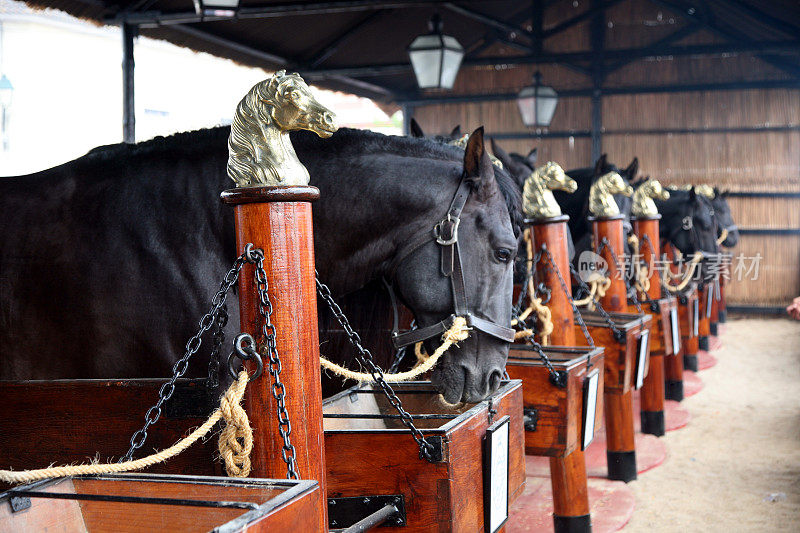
{"points": [[259, 148], [704, 189], [601, 194], [538, 201], [643, 204]]}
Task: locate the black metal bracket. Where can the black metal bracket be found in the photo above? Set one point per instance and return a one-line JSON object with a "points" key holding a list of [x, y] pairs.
{"points": [[620, 336], [655, 306], [19, 503], [435, 454], [559, 378], [530, 418], [346, 511]]}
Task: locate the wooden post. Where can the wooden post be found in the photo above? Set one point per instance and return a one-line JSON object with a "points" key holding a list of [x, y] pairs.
{"points": [[568, 473], [618, 402], [653, 393], [705, 320], [277, 219], [552, 234]]}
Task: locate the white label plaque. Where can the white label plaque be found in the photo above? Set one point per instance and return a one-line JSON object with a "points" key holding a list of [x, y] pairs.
{"points": [[641, 359], [590, 388], [696, 321], [495, 475], [676, 332]]}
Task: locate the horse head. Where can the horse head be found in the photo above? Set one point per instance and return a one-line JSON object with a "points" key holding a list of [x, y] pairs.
{"points": [[643, 204], [728, 232], [687, 221], [258, 153], [602, 191], [537, 196]]}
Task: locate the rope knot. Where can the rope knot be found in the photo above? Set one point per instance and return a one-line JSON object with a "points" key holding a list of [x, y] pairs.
{"points": [[236, 439], [458, 331]]}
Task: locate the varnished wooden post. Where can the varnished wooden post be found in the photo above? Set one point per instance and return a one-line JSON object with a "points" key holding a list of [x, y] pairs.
{"points": [[551, 233], [653, 393], [277, 219], [568, 473], [618, 402], [705, 320]]}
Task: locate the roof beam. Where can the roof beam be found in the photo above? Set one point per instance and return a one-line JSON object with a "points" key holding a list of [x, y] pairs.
{"points": [[677, 35], [489, 21], [280, 9], [612, 91], [577, 19], [792, 46], [765, 18], [333, 45], [274, 60]]}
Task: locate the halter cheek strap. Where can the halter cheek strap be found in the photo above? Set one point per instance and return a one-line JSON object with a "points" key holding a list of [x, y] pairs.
{"points": [[445, 234]]}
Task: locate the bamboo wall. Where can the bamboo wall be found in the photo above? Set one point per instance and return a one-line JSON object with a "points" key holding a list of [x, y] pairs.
{"points": [[765, 160]]}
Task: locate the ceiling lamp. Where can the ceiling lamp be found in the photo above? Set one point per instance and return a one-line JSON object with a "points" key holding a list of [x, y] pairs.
{"points": [[537, 103], [435, 57], [216, 8]]}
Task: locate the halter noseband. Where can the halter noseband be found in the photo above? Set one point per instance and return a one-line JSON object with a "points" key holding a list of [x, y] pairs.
{"points": [[445, 234]]}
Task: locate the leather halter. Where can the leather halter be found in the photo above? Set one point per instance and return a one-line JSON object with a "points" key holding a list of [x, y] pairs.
{"points": [[445, 234]]}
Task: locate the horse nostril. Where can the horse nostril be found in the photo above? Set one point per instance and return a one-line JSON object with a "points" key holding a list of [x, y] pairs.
{"points": [[495, 378], [328, 118]]}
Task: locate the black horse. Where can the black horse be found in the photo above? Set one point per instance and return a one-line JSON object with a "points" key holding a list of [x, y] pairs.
{"points": [[724, 217], [107, 262], [688, 222]]}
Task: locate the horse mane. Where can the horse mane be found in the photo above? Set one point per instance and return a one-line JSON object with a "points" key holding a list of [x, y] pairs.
{"points": [[353, 142]]}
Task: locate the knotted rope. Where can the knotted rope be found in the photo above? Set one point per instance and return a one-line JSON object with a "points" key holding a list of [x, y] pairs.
{"points": [[457, 333], [698, 256], [238, 427], [641, 278], [598, 286], [543, 313], [722, 237]]}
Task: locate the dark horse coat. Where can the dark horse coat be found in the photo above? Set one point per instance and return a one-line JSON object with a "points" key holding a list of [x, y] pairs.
{"points": [[107, 262]]}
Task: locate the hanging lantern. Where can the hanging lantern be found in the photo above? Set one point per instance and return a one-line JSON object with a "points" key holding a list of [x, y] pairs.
{"points": [[216, 8], [435, 57], [6, 91], [537, 103]]}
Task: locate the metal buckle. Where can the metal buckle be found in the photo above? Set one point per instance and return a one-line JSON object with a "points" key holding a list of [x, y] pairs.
{"points": [[438, 228], [687, 223]]}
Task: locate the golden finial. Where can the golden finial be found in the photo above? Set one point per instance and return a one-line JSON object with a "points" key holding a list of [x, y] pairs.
{"points": [[538, 201], [601, 194], [643, 204], [461, 142], [260, 151]]}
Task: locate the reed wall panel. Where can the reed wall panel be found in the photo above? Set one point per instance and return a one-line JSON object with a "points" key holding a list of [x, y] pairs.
{"points": [[777, 281]]}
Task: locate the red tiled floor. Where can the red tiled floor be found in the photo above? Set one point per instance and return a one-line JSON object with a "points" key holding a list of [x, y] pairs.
{"points": [[692, 384], [705, 360], [714, 343], [675, 416], [611, 505]]}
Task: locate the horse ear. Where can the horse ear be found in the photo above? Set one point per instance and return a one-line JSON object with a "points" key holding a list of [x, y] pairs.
{"points": [[632, 169], [476, 160], [456, 133], [600, 165], [416, 130], [692, 194], [531, 158]]}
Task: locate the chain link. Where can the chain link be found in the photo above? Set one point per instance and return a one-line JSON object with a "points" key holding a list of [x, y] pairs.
{"points": [[181, 365], [274, 367], [630, 291], [364, 357], [220, 321]]}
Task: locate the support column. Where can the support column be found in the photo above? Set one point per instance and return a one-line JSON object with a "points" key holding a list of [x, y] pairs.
{"points": [[277, 219], [653, 393], [408, 114], [129, 32]]}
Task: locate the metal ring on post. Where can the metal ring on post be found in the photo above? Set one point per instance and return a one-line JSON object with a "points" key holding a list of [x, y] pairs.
{"points": [[245, 353]]}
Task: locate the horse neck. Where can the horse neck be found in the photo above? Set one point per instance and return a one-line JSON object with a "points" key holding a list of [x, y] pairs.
{"points": [[279, 156]]}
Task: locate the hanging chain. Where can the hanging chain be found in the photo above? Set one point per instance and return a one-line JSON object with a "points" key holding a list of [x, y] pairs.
{"points": [[575, 311], [181, 366], [274, 367], [220, 321], [629, 290], [364, 357]]}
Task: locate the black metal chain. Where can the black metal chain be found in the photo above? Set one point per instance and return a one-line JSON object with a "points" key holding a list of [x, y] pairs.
{"points": [[364, 357], [575, 311], [181, 365], [274, 367], [220, 321], [629, 290]]}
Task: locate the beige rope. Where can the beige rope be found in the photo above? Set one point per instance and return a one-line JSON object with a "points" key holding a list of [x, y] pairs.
{"points": [[698, 256], [232, 397], [641, 278], [543, 313], [457, 333], [722, 237]]}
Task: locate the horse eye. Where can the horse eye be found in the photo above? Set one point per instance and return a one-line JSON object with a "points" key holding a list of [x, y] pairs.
{"points": [[503, 255]]}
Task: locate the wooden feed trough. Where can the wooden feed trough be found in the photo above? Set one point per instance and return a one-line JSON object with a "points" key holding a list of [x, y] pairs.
{"points": [[131, 503], [371, 455]]}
